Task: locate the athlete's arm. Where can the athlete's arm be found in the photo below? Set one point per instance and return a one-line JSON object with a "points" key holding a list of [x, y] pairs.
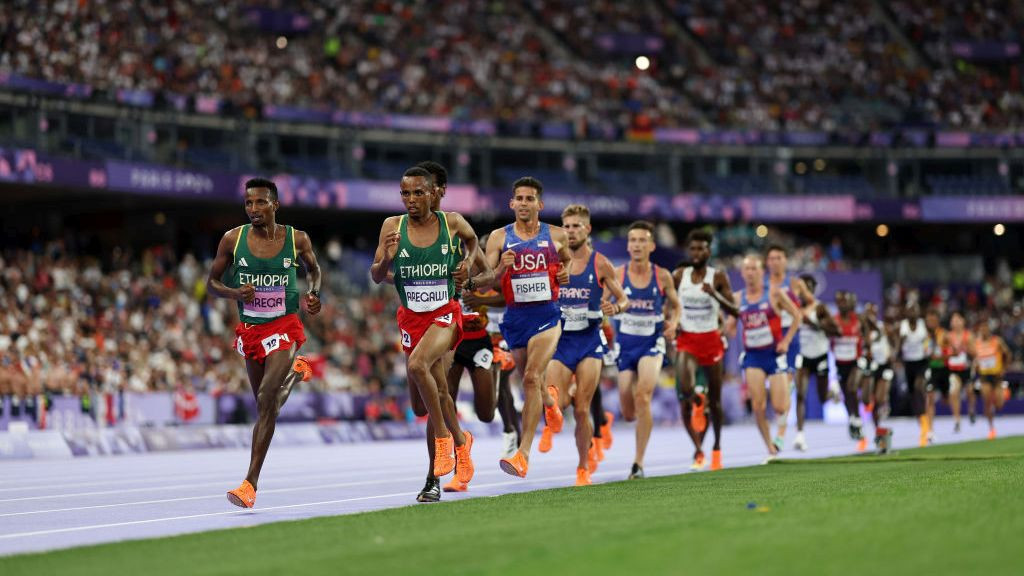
{"points": [[561, 240], [610, 281], [474, 260], [496, 259], [1007, 354], [783, 301], [475, 299], [677, 276], [387, 245], [722, 292], [672, 305], [304, 247], [224, 257], [827, 322]]}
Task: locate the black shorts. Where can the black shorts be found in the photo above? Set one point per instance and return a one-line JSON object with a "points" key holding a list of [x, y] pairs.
{"points": [[883, 372], [817, 365], [938, 379], [845, 369], [964, 376], [913, 369], [994, 380], [476, 353]]}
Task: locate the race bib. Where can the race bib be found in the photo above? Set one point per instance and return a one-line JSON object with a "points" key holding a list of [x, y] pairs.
{"points": [[534, 287], [483, 358], [271, 343], [760, 337], [845, 349], [406, 340], [427, 296], [575, 318], [636, 325], [268, 303], [988, 363], [959, 361], [913, 350], [240, 347]]}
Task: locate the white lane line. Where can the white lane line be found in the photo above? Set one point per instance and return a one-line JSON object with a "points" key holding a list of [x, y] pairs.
{"points": [[284, 507]]}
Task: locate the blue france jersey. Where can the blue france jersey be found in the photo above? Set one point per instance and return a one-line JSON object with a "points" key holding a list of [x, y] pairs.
{"points": [[580, 299], [644, 320]]}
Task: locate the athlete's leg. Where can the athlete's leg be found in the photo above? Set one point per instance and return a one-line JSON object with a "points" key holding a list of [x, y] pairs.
{"points": [[648, 370], [953, 398], [439, 370], [484, 393], [627, 387], [686, 375], [850, 396], [780, 393], [272, 383], [588, 373], [559, 376], [972, 401], [803, 379], [716, 374], [597, 408], [881, 401], [759, 404], [506, 403], [419, 365], [534, 359], [988, 393]]}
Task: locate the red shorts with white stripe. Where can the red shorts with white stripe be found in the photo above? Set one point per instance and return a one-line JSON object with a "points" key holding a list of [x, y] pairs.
{"points": [[413, 325], [257, 341], [706, 347]]}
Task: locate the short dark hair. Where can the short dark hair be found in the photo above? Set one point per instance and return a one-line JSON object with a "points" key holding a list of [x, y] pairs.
{"points": [[419, 172], [262, 183], [810, 281], [529, 182], [438, 171], [776, 248], [699, 235], [641, 225]]}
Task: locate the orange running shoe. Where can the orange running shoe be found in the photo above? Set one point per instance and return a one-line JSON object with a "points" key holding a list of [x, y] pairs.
{"points": [[716, 459], [463, 460], [582, 477], [599, 448], [991, 433], [545, 439], [698, 419], [698, 461], [516, 465], [606, 430], [444, 462], [455, 486], [862, 444], [553, 414], [592, 457], [244, 496], [301, 366]]}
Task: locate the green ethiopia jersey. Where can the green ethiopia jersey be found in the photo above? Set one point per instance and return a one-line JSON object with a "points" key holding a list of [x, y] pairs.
{"points": [[275, 280], [423, 276]]}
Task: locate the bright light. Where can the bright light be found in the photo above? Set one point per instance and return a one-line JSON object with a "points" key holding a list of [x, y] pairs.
{"points": [[819, 164], [282, 42], [801, 168], [762, 231], [882, 230], [999, 229], [643, 62]]}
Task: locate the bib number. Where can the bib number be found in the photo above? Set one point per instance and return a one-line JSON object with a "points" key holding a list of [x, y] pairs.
{"points": [[271, 343], [987, 363], [846, 349], [483, 358], [635, 325], [406, 340], [427, 297], [760, 337], [268, 303], [575, 318]]}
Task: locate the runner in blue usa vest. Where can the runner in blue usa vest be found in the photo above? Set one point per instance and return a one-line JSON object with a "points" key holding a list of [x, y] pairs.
{"points": [[532, 259]]}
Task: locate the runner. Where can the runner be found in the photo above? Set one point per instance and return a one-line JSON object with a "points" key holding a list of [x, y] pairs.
{"points": [[882, 337], [699, 344], [937, 375], [420, 251], [263, 257], [851, 364], [913, 352], [581, 349], [958, 349], [765, 347], [532, 259], [819, 326], [992, 355], [640, 333]]}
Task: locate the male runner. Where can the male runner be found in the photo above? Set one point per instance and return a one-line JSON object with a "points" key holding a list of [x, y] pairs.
{"points": [[937, 375], [263, 257], [580, 348], [991, 357], [913, 352], [420, 250], [958, 349], [765, 347], [779, 278], [882, 337], [641, 332], [532, 259], [818, 328], [699, 343], [849, 351]]}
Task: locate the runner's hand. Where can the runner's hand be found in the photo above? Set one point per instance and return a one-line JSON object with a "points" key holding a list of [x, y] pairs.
{"points": [[312, 304], [563, 275], [461, 275], [508, 258], [247, 293]]}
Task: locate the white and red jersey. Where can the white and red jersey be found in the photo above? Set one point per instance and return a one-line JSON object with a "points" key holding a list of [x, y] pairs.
{"points": [[532, 278], [848, 345], [700, 309]]}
